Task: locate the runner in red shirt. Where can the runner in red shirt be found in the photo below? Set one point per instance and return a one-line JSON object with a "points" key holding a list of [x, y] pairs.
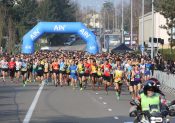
{"points": [[12, 66], [107, 74]]}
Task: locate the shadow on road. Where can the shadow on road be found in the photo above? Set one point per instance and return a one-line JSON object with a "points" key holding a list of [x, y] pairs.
{"points": [[72, 119]]}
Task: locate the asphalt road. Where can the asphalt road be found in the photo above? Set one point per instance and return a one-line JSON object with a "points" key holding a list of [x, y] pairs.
{"points": [[62, 105]]}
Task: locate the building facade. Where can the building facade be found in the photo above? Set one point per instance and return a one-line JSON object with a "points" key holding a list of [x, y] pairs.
{"points": [[158, 31]]}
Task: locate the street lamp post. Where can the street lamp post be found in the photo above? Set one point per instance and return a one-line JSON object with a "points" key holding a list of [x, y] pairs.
{"points": [[131, 24], [142, 26], [152, 41], [108, 20], [122, 23], [114, 21]]}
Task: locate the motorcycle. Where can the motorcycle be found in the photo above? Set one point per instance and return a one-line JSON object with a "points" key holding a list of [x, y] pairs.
{"points": [[154, 115]]}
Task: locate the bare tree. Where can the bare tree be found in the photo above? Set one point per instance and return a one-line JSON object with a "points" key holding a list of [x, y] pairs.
{"points": [[11, 34], [2, 23]]}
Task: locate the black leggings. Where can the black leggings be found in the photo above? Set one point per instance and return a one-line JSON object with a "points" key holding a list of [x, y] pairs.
{"points": [[12, 72]]}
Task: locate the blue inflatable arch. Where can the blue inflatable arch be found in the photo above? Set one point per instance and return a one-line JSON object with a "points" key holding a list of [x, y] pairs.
{"points": [[59, 27]]}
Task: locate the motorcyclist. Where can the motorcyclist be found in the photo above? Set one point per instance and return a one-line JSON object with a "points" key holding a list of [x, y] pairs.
{"points": [[150, 96], [157, 84]]}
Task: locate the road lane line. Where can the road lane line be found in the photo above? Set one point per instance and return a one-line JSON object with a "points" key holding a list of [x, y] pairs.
{"points": [[109, 109], [32, 106], [104, 103], [101, 98], [116, 118]]}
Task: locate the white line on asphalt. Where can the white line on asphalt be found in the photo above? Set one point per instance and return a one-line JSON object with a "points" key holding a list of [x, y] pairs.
{"points": [[32, 106], [116, 118], [109, 109], [97, 93], [104, 103], [101, 98]]}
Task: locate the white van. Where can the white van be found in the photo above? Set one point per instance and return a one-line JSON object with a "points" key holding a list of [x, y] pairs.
{"points": [[45, 48]]}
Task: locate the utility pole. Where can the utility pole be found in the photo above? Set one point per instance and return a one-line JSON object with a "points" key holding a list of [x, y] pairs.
{"points": [[122, 23], [104, 20], [152, 41], [143, 5], [131, 24], [108, 19], [114, 21]]}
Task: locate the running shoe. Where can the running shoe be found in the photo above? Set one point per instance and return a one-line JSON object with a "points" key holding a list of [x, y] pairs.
{"points": [[106, 92], [118, 96], [24, 83]]}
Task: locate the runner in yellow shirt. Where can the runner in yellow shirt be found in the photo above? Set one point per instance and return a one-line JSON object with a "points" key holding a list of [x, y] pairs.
{"points": [[99, 75], [93, 72], [81, 70], [118, 80]]}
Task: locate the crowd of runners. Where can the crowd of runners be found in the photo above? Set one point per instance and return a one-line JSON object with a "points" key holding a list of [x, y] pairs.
{"points": [[78, 69]]}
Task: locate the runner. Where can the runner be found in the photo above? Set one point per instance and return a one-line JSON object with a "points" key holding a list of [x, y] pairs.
{"points": [[18, 68], [46, 71], [93, 72], [147, 70], [55, 66], [81, 69], [99, 75], [4, 68], [136, 80], [107, 74], [118, 80], [24, 72], [73, 74], [87, 71], [62, 72], [40, 72], [34, 74], [12, 66], [51, 71], [142, 69], [128, 69], [29, 70]]}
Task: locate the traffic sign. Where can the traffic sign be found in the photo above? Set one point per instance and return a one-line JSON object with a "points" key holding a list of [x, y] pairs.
{"points": [[142, 48]]}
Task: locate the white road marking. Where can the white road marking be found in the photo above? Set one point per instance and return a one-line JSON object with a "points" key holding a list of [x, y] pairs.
{"points": [[109, 109], [116, 118], [32, 106], [97, 93], [104, 103], [101, 98]]}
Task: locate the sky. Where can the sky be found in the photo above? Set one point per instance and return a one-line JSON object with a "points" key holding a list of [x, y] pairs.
{"points": [[96, 4]]}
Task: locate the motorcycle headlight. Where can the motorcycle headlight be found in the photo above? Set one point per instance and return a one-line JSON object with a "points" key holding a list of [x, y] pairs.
{"points": [[156, 119]]}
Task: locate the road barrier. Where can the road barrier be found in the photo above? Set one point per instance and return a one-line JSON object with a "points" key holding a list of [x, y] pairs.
{"points": [[166, 79]]}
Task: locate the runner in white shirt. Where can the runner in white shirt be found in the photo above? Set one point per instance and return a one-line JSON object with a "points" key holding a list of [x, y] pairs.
{"points": [[142, 68], [4, 68], [18, 68]]}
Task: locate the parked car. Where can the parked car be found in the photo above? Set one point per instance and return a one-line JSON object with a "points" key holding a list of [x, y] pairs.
{"points": [[69, 43], [71, 40]]}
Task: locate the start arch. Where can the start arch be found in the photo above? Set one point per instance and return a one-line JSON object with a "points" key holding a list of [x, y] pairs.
{"points": [[59, 27]]}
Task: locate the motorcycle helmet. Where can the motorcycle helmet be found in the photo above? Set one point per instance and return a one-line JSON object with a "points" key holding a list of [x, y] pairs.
{"points": [[149, 85], [157, 85], [156, 81]]}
